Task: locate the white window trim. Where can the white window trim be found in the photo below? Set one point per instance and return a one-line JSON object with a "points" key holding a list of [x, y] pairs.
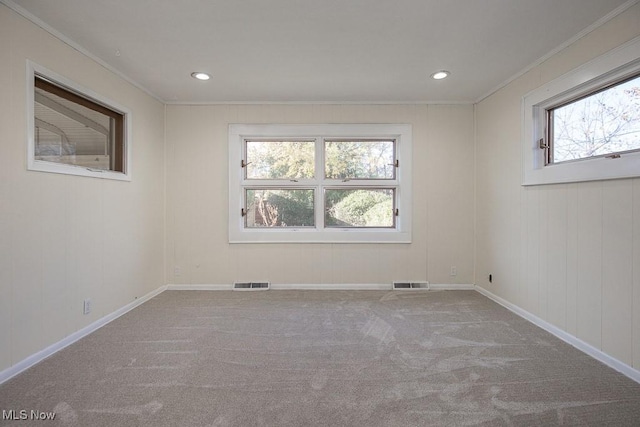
{"points": [[44, 166], [400, 234], [613, 66]]}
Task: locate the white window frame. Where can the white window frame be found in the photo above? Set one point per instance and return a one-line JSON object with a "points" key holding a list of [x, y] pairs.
{"points": [[401, 133], [613, 66], [34, 69]]}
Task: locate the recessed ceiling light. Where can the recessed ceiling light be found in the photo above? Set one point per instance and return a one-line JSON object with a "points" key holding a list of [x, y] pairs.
{"points": [[200, 76], [440, 75]]}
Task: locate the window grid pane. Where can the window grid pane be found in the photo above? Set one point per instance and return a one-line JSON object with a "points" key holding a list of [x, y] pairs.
{"points": [[359, 207], [359, 159], [279, 208], [269, 159]]}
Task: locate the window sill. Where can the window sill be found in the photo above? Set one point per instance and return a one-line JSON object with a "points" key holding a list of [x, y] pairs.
{"points": [[42, 166], [317, 236]]}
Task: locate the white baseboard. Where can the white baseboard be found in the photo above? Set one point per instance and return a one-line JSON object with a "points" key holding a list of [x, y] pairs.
{"points": [[597, 354], [287, 286], [332, 286], [222, 287], [35, 358], [451, 287], [321, 287]]}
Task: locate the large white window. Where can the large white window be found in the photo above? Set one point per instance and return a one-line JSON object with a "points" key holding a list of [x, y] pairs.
{"points": [[320, 183], [73, 130], [585, 125]]}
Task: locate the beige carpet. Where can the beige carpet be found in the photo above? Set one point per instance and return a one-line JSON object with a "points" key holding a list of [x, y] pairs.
{"points": [[330, 358]]}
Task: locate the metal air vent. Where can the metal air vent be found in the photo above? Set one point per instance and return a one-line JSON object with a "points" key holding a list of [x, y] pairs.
{"points": [[251, 286], [407, 286]]}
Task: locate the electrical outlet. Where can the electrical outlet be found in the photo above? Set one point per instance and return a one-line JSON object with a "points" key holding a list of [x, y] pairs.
{"points": [[86, 309], [454, 271], [177, 271]]}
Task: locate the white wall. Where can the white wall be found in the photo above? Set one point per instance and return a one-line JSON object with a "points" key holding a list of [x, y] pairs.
{"points": [[197, 200], [65, 238], [569, 254]]}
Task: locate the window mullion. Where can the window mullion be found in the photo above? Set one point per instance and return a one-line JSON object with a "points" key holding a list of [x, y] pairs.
{"points": [[320, 183], [362, 183], [279, 183]]}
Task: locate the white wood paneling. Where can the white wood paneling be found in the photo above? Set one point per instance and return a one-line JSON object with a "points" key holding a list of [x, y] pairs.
{"points": [[532, 254], [543, 247], [572, 260], [579, 244], [590, 263], [449, 180], [6, 279], [617, 269], [635, 323], [26, 267], [442, 204], [555, 255], [56, 223], [86, 243], [7, 151], [56, 231]]}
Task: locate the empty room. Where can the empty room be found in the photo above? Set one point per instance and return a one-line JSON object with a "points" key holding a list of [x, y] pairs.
{"points": [[332, 213]]}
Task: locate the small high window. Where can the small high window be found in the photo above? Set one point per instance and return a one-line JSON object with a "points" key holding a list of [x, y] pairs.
{"points": [[585, 125], [73, 131], [603, 123]]}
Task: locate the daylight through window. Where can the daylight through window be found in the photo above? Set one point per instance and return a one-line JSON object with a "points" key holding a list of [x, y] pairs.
{"points": [[317, 186], [349, 167], [603, 123], [585, 124]]}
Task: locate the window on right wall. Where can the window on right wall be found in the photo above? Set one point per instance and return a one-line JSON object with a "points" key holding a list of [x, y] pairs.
{"points": [[601, 124], [584, 128]]}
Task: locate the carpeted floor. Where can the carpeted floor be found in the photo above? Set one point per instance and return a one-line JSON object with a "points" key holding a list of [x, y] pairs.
{"points": [[329, 358]]}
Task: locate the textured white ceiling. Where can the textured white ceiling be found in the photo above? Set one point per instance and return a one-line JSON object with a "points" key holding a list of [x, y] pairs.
{"points": [[319, 50]]}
